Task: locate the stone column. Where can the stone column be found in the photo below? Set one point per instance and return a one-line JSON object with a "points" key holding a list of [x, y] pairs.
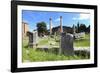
{"points": [[61, 31], [61, 28], [74, 31], [50, 26], [35, 37]]}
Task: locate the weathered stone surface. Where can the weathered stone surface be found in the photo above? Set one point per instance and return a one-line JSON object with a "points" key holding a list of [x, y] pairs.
{"points": [[66, 44], [35, 37], [32, 39], [30, 35]]}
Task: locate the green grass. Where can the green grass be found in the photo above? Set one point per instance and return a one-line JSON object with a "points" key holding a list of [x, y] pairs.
{"points": [[83, 42], [34, 55], [43, 41], [47, 41], [37, 56]]}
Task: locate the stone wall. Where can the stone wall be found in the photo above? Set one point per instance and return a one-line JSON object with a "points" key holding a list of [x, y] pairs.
{"points": [[25, 29]]}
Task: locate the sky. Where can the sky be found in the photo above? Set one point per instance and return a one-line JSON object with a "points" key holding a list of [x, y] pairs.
{"points": [[68, 18]]}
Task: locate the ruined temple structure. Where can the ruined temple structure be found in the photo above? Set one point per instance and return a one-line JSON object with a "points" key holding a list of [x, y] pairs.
{"points": [[60, 29]]}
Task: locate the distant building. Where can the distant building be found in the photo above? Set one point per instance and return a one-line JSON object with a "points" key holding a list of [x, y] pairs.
{"points": [[25, 28]]}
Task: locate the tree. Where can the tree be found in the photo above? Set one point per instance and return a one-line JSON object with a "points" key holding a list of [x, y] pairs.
{"points": [[82, 28], [88, 29], [78, 27], [41, 28]]}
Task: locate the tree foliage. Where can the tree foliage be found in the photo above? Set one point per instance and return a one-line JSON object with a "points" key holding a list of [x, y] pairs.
{"points": [[41, 28], [82, 28]]}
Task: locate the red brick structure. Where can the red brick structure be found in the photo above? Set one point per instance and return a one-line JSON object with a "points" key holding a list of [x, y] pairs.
{"points": [[25, 28]]}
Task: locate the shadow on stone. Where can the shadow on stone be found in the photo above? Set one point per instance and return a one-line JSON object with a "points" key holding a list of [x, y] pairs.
{"points": [[82, 53], [26, 46], [42, 49], [52, 50]]}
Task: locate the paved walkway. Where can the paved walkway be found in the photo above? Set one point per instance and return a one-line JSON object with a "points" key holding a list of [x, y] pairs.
{"points": [[82, 48], [75, 48]]}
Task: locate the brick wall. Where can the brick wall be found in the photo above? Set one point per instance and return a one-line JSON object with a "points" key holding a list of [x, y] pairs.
{"points": [[25, 29]]}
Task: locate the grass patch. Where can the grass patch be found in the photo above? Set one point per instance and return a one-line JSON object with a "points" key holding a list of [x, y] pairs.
{"points": [[82, 42], [38, 56], [34, 55], [43, 41]]}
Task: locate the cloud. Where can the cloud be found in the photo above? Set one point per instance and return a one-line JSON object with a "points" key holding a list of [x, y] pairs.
{"points": [[58, 19], [82, 17], [53, 25], [48, 26], [74, 18]]}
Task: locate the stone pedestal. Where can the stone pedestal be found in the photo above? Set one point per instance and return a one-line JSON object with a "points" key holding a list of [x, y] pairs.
{"points": [[33, 37]]}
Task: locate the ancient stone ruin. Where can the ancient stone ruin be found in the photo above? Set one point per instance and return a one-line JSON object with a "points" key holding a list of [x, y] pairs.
{"points": [[33, 39], [66, 44]]}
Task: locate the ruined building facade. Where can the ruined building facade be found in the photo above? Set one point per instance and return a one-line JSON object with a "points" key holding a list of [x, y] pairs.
{"points": [[25, 29]]}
